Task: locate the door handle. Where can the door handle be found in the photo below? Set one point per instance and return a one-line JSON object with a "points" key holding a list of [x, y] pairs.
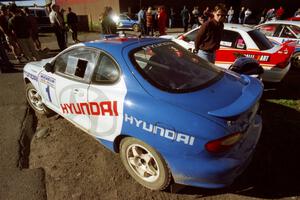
{"points": [[76, 91]]}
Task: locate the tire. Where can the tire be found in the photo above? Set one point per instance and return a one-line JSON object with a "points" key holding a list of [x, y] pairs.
{"points": [[35, 100], [135, 27], [144, 164], [296, 60]]}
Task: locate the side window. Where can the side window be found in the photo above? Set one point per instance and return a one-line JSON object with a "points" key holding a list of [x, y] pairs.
{"points": [[295, 29], [106, 71], [278, 31], [123, 17], [286, 33], [232, 39], [268, 30], [77, 63]]}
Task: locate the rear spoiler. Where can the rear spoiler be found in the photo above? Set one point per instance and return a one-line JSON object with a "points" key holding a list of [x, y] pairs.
{"points": [[250, 94]]}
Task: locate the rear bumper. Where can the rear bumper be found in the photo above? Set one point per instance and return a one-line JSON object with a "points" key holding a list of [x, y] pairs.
{"points": [[209, 171], [275, 74]]}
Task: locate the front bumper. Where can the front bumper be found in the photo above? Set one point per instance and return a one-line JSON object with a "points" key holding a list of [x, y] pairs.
{"points": [[211, 171], [275, 74]]}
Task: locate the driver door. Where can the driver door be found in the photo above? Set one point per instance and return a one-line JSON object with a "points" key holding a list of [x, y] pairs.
{"points": [[72, 74]]}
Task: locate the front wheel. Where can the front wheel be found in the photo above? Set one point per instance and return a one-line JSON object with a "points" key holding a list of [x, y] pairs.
{"points": [[144, 164], [35, 100]]}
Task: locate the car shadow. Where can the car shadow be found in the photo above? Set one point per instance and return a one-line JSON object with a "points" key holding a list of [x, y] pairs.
{"points": [[275, 169]]}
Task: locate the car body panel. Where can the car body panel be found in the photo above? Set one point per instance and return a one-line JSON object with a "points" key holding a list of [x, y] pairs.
{"points": [[228, 52], [172, 123], [281, 31]]}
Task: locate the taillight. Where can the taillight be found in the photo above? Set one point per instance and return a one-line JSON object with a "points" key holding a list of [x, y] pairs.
{"points": [[223, 144], [181, 37]]}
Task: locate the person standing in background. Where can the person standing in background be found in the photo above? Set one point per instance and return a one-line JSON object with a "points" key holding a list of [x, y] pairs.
{"points": [[171, 18], [108, 25], [34, 32], [230, 14], [207, 13], [57, 23], [241, 15], [149, 21], [209, 35], [19, 25], [162, 20], [194, 17], [142, 20], [9, 36], [72, 22], [5, 65], [279, 13], [185, 16], [248, 12]]}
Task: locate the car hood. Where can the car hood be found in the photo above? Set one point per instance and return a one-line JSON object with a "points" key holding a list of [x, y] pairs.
{"points": [[230, 96]]}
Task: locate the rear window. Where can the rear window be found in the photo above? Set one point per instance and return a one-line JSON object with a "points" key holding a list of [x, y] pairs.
{"points": [[260, 40], [172, 68]]}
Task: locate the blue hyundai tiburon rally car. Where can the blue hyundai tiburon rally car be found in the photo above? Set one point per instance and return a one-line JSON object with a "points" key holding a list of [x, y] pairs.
{"points": [[168, 113]]}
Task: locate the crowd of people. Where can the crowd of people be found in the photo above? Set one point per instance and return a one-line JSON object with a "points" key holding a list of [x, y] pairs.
{"points": [[19, 33], [19, 29]]}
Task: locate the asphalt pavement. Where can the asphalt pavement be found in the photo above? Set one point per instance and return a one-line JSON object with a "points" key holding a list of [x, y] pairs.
{"points": [[16, 182]]}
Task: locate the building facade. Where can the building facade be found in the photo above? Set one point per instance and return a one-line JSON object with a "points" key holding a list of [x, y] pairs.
{"points": [[93, 8]]}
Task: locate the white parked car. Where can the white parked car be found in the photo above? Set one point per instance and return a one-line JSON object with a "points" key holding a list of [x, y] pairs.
{"points": [[238, 39], [281, 31]]}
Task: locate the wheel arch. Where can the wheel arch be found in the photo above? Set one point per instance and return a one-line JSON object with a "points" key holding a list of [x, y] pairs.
{"points": [[117, 142], [26, 80]]}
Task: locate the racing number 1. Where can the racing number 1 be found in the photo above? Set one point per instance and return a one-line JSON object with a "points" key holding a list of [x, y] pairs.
{"points": [[48, 92]]}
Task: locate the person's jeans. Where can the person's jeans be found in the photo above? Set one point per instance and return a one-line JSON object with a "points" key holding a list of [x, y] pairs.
{"points": [[209, 56]]}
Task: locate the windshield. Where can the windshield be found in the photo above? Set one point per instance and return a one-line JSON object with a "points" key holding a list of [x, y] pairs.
{"points": [[170, 67], [260, 40]]}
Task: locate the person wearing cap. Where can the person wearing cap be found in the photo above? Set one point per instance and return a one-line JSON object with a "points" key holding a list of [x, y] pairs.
{"points": [[209, 35], [72, 22]]}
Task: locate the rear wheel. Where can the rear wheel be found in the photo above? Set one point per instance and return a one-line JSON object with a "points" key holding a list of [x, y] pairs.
{"points": [[35, 100], [144, 164], [296, 60]]}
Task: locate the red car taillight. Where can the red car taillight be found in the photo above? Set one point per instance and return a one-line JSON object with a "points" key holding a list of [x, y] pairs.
{"points": [[223, 144], [181, 37]]}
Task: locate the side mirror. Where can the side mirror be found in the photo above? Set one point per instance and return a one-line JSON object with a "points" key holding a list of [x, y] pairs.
{"points": [[49, 67]]}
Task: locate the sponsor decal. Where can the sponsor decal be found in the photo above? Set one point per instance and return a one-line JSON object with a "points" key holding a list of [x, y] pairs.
{"points": [[94, 112], [263, 58], [47, 80], [157, 130], [31, 76], [104, 108]]}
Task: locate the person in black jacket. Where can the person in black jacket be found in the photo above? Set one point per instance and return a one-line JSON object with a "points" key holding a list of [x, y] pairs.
{"points": [[209, 35], [72, 22]]}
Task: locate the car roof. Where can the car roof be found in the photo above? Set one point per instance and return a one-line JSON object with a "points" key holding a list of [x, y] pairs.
{"points": [[239, 27], [296, 23], [232, 27], [118, 43]]}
